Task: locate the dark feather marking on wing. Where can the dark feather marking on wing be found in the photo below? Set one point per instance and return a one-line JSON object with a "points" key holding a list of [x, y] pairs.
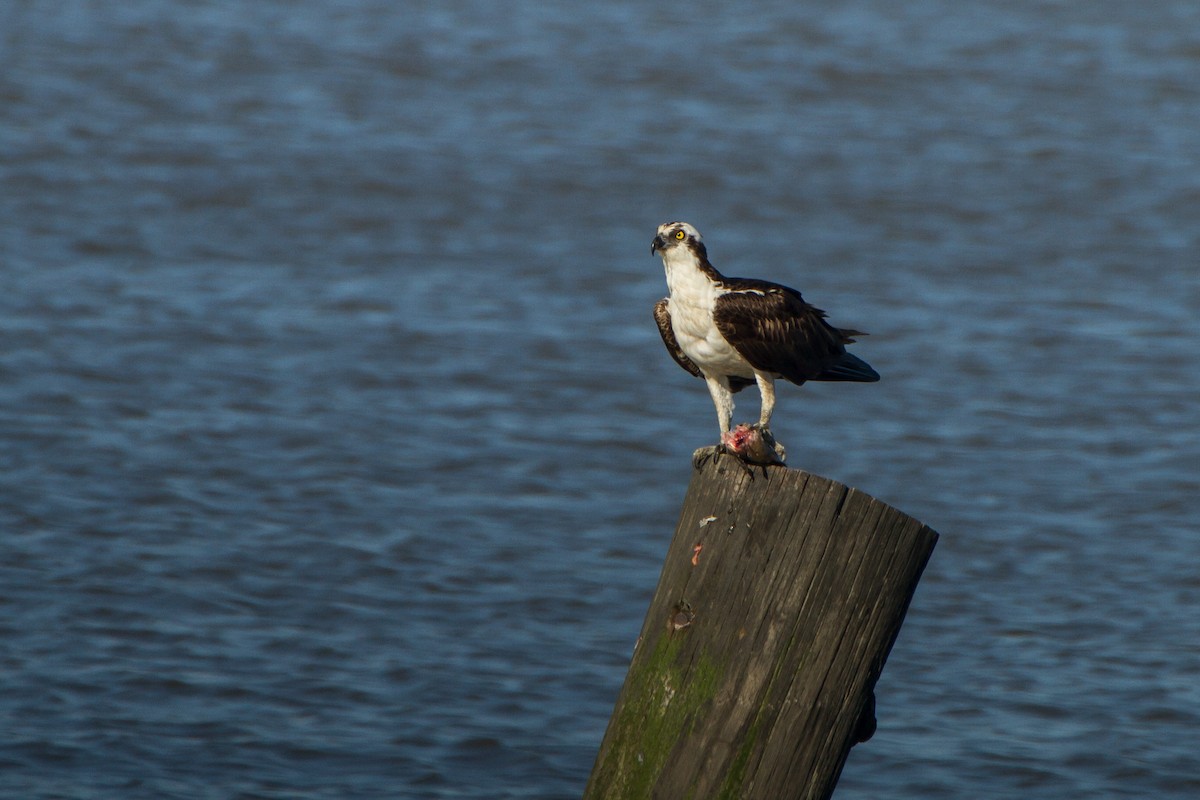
{"points": [[774, 329], [662, 316]]}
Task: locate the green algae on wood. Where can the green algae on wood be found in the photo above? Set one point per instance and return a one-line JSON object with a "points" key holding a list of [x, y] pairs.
{"points": [[660, 702]]}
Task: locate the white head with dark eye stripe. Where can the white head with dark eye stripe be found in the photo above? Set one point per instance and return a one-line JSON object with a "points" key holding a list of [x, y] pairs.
{"points": [[673, 235]]}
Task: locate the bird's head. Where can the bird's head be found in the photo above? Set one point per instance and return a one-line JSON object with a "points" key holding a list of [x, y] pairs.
{"points": [[674, 235]]}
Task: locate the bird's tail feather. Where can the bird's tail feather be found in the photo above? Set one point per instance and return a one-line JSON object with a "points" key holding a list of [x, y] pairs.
{"points": [[848, 368]]}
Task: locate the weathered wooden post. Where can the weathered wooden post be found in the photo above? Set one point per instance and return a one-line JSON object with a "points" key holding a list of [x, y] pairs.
{"points": [[779, 601]]}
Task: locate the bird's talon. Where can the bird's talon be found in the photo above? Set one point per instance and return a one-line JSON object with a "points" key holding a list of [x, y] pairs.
{"points": [[703, 455], [769, 439]]}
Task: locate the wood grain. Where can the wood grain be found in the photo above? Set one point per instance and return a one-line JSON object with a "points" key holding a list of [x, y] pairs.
{"points": [[756, 661]]}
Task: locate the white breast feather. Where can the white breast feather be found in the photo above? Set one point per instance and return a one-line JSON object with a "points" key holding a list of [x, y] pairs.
{"points": [[691, 303]]}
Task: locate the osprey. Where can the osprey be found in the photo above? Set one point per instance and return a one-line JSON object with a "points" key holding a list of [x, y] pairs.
{"points": [[734, 332]]}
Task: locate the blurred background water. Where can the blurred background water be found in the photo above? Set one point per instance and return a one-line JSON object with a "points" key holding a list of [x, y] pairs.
{"points": [[340, 452]]}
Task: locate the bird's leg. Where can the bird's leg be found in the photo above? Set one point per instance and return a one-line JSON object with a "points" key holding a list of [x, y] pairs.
{"points": [[766, 390], [722, 397]]}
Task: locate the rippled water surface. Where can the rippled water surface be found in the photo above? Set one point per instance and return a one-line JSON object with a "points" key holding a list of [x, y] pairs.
{"points": [[340, 451]]}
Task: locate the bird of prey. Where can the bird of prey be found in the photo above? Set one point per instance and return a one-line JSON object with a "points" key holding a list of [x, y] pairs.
{"points": [[735, 332]]}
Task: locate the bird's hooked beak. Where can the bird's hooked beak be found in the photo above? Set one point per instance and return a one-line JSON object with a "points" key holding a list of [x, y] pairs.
{"points": [[656, 244]]}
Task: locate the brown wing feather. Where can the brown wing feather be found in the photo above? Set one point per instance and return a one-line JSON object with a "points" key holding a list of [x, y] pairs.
{"points": [[773, 328]]}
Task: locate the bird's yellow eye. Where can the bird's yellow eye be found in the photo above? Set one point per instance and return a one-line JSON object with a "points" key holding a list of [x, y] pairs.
{"points": [[680, 235]]}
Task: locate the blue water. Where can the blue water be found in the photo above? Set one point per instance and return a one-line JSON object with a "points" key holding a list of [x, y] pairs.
{"points": [[340, 452]]}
